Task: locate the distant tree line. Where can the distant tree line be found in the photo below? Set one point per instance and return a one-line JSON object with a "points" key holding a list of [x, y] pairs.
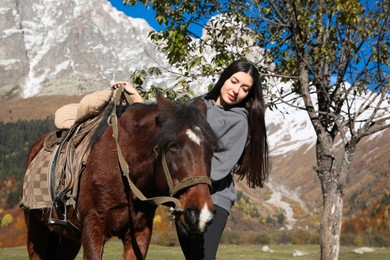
{"points": [[16, 140]]}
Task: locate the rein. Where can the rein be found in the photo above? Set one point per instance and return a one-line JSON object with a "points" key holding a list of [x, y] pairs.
{"points": [[159, 200]]}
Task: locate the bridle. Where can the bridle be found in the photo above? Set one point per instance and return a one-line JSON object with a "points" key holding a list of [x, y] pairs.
{"points": [[173, 190], [185, 183]]}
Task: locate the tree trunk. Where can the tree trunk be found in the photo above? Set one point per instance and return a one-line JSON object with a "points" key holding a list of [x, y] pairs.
{"points": [[331, 222], [332, 194]]}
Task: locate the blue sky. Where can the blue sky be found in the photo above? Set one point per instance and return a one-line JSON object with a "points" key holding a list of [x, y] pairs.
{"points": [[140, 11]]}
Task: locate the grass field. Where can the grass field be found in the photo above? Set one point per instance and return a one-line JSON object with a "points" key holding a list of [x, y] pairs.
{"points": [[113, 250]]}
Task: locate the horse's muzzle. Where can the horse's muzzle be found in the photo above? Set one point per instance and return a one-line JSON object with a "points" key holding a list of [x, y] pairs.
{"points": [[194, 221]]}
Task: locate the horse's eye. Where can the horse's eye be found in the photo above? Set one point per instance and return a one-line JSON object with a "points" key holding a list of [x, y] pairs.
{"points": [[173, 146]]}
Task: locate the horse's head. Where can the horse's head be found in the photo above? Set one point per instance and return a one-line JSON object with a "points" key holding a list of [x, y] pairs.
{"points": [[186, 144]]}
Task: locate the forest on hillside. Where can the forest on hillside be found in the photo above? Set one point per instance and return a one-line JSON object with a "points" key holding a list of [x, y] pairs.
{"points": [[16, 139]]}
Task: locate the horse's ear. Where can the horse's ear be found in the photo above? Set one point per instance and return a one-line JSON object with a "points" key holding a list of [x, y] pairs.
{"points": [[165, 108], [199, 104]]}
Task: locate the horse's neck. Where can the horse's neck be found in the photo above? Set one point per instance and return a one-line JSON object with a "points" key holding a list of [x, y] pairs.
{"points": [[140, 127], [137, 132]]}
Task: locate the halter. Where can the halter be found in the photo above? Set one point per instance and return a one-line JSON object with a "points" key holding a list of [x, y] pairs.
{"points": [[185, 183], [173, 190]]}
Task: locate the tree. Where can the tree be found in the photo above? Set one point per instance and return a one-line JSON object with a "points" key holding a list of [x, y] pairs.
{"points": [[335, 54], [281, 218]]}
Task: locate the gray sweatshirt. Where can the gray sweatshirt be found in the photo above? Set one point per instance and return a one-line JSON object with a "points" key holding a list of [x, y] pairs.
{"points": [[231, 129]]}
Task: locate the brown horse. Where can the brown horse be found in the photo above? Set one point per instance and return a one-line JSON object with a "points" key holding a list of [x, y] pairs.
{"points": [[107, 206]]}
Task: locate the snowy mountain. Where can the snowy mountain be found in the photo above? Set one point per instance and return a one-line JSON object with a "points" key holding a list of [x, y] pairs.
{"points": [[71, 47], [51, 47]]}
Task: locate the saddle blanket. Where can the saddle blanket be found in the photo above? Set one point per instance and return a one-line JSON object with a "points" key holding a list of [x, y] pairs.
{"points": [[70, 163], [36, 185]]}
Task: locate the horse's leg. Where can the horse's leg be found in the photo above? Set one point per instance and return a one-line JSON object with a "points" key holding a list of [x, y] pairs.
{"points": [[45, 244], [37, 235], [137, 239], [69, 244], [62, 248], [136, 245], [92, 237]]}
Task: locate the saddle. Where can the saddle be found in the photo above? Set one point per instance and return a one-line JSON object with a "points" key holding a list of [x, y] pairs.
{"points": [[70, 155], [52, 179]]}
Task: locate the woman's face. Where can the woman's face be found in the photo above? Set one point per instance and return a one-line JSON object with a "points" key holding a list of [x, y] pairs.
{"points": [[235, 89]]}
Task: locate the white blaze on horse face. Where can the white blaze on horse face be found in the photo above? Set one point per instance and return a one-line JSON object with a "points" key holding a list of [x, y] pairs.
{"points": [[205, 217], [194, 137]]}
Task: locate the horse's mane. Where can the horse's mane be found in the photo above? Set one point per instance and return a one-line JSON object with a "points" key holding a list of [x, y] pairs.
{"points": [[185, 116]]}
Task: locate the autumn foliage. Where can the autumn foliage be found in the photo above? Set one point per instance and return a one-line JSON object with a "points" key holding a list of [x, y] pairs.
{"points": [[374, 220]]}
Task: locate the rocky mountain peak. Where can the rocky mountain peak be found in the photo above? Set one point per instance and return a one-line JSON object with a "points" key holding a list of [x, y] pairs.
{"points": [[69, 47]]}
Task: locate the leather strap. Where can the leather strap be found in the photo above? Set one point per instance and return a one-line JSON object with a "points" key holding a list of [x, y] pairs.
{"points": [[186, 183], [189, 182], [160, 200]]}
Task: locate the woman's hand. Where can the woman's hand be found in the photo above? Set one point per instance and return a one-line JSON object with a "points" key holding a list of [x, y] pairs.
{"points": [[130, 90]]}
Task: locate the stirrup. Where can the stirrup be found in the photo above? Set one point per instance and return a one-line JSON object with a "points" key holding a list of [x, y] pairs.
{"points": [[59, 206]]}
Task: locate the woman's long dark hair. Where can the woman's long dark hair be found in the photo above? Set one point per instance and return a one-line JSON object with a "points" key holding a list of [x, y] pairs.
{"points": [[254, 163]]}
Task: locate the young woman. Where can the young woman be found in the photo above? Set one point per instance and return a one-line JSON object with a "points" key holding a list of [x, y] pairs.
{"points": [[235, 111]]}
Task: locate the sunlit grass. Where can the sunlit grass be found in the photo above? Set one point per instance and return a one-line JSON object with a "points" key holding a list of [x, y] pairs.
{"points": [[113, 250]]}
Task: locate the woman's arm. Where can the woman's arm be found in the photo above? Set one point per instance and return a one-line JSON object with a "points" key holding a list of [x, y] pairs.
{"points": [[130, 90]]}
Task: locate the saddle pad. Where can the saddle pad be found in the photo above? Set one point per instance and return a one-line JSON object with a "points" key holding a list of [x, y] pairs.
{"points": [[36, 185], [74, 155]]}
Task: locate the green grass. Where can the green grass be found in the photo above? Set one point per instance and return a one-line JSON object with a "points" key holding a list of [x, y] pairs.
{"points": [[113, 250]]}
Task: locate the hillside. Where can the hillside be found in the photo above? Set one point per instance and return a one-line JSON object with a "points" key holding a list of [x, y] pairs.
{"points": [[39, 107]]}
